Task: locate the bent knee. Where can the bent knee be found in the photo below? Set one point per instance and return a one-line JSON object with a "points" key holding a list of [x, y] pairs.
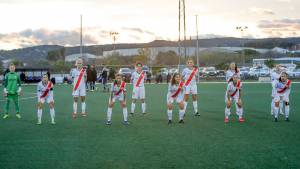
{"points": [[51, 105], [110, 105], [170, 106]]}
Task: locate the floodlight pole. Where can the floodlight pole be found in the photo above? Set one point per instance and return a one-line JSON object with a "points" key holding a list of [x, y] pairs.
{"points": [[114, 37], [197, 49], [242, 30], [181, 25], [81, 44]]}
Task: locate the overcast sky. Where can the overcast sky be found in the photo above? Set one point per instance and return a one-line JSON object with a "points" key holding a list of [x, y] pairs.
{"points": [[35, 22]]}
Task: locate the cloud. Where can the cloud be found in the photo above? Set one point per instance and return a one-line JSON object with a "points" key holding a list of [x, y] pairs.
{"points": [[281, 27], [262, 11], [31, 37], [138, 30], [91, 36]]}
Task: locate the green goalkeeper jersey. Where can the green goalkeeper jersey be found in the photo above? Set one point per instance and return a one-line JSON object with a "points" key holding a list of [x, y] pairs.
{"points": [[12, 82]]}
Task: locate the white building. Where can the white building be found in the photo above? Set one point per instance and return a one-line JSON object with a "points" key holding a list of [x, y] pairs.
{"points": [[280, 50], [86, 56], [285, 60], [191, 51]]}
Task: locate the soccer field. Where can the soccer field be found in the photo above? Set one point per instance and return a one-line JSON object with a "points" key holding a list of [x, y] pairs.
{"points": [[149, 142]]}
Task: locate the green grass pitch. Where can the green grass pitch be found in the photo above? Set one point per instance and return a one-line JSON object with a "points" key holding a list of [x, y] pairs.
{"points": [[148, 142]]}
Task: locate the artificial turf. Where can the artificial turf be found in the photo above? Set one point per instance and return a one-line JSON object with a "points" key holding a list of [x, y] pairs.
{"points": [[148, 142]]}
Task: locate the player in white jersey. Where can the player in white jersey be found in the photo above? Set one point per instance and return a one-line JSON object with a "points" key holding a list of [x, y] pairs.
{"points": [[234, 94], [275, 75], [45, 94], [138, 93], [189, 75], [233, 70], [175, 93], [118, 93], [79, 88], [283, 89]]}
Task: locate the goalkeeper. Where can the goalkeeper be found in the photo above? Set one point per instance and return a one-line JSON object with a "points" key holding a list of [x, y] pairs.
{"points": [[12, 90]]}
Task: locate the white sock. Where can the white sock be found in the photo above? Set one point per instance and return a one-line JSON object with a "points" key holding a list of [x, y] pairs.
{"points": [[132, 107], [52, 113], [181, 114], [281, 107], [185, 105], [287, 111], [227, 112], [276, 111], [75, 107], [143, 107], [109, 112], [240, 112], [272, 106], [125, 114], [169, 114], [83, 106], [195, 105], [39, 114]]}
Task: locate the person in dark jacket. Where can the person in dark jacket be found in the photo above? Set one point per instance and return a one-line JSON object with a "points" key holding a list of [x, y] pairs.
{"points": [[104, 77], [88, 77], [23, 77], [93, 78]]}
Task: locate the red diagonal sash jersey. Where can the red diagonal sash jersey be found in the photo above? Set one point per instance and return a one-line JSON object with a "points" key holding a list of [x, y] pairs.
{"points": [[238, 86], [141, 77], [81, 74], [45, 93], [287, 85], [178, 90], [123, 84], [191, 76]]}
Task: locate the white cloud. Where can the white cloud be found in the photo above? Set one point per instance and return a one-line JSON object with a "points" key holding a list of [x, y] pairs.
{"points": [[91, 36], [262, 11], [280, 27]]}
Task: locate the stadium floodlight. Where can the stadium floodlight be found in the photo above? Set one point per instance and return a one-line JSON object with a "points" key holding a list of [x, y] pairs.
{"points": [[114, 37], [242, 30]]}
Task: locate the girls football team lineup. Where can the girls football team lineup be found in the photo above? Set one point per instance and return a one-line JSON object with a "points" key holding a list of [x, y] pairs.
{"points": [[180, 87]]}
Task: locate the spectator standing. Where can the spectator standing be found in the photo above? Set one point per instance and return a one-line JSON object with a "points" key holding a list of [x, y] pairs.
{"points": [[93, 78], [104, 76]]}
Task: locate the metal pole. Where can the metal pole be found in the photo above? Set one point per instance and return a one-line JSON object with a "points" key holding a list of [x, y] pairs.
{"points": [[81, 48], [197, 49], [179, 31], [184, 28], [242, 30]]}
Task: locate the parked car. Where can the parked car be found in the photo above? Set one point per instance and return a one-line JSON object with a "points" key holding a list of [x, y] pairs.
{"points": [[146, 69], [261, 72], [210, 71], [294, 73], [244, 71], [164, 71], [173, 70], [200, 70], [221, 72], [126, 73], [148, 73]]}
